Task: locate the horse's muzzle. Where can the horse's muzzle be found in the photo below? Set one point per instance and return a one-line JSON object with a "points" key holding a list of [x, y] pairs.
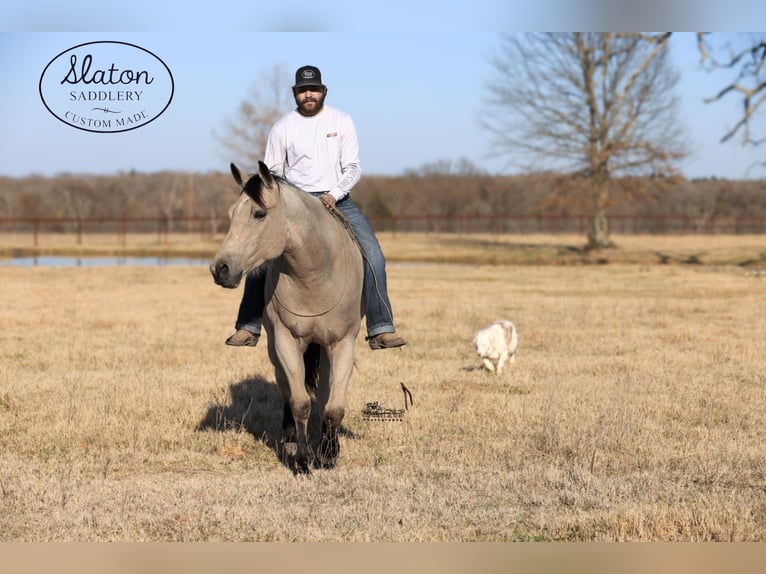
{"points": [[223, 275]]}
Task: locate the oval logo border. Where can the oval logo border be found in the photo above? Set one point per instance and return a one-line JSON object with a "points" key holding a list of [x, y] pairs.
{"points": [[152, 54]]}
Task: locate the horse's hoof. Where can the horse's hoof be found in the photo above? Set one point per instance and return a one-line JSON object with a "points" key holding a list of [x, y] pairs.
{"points": [[286, 452], [328, 452], [302, 468], [328, 463]]}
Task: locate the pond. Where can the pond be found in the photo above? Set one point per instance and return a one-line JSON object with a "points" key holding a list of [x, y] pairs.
{"points": [[60, 261]]}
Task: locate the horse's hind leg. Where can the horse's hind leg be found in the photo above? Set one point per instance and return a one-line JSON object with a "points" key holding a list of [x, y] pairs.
{"points": [[329, 449]]}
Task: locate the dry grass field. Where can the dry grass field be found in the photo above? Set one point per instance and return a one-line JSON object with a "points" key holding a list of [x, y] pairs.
{"points": [[634, 412]]}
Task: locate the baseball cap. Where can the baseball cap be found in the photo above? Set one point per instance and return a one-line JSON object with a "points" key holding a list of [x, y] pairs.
{"points": [[308, 76]]}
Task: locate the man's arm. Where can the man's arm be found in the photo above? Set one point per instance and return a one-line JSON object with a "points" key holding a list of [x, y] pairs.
{"points": [[275, 156], [350, 166]]}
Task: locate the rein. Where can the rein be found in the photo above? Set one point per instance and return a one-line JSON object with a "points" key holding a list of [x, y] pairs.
{"points": [[296, 313]]}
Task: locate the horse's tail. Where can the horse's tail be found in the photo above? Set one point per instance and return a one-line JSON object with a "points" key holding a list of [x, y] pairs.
{"points": [[311, 365]]}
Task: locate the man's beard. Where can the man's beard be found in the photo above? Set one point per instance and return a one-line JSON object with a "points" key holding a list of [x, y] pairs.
{"points": [[318, 104]]}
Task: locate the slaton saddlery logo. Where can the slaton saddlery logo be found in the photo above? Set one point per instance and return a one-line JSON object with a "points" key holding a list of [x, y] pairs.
{"points": [[106, 86]]}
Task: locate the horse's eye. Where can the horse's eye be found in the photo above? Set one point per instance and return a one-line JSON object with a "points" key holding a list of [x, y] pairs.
{"points": [[259, 214]]}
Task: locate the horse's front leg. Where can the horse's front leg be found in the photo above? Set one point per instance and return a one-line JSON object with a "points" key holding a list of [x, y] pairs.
{"points": [[341, 359], [288, 423], [301, 410], [289, 371]]}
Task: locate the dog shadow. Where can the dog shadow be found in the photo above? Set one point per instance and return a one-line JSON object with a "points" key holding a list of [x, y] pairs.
{"points": [[254, 405], [472, 368]]}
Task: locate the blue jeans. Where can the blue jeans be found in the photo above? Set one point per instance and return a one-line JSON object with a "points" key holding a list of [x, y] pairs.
{"points": [[380, 318]]}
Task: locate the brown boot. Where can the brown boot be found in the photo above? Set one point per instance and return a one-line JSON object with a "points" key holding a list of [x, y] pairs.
{"points": [[243, 338], [385, 341]]}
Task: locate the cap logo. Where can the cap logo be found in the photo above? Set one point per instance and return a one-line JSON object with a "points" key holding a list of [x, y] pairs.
{"points": [[308, 74]]}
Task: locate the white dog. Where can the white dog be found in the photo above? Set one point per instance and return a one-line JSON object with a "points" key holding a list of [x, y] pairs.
{"points": [[496, 345]]}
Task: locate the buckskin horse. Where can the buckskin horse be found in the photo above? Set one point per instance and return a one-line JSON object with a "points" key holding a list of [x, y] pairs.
{"points": [[313, 299]]}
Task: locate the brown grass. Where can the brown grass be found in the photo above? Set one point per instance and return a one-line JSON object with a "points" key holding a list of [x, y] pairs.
{"points": [[634, 412]]}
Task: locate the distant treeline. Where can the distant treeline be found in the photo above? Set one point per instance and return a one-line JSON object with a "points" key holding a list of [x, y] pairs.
{"points": [[179, 195]]}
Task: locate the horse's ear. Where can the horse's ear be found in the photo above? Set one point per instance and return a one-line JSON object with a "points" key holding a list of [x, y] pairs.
{"points": [[265, 174], [236, 174]]}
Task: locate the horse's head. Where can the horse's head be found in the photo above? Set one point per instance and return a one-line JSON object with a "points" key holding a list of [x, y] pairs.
{"points": [[257, 229]]}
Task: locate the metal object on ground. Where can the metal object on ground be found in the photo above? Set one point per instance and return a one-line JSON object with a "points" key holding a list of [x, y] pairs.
{"points": [[375, 412]]}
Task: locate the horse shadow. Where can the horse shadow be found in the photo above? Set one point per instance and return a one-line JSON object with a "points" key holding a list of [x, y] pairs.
{"points": [[254, 405]]}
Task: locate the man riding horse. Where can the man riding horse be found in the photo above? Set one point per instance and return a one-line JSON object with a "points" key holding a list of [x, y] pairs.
{"points": [[315, 148]]}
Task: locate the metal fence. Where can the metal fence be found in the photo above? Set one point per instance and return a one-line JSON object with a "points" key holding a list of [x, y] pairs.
{"points": [[206, 228], [570, 224]]}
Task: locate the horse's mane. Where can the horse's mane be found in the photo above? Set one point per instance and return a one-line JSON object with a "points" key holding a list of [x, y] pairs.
{"points": [[254, 187], [254, 190]]}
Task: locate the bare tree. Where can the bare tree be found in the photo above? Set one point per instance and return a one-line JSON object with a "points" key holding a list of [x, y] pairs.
{"points": [[78, 195], [600, 105], [244, 136], [463, 166], [745, 56]]}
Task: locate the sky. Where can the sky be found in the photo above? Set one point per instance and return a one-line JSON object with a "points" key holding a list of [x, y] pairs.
{"points": [[413, 79]]}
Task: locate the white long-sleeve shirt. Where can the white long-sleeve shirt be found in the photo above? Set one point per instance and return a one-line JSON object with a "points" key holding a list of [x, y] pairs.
{"points": [[316, 153]]}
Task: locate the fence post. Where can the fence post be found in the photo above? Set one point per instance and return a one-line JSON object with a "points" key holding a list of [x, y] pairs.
{"points": [[122, 231]]}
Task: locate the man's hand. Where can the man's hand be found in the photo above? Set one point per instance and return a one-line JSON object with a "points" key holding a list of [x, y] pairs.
{"points": [[328, 200]]}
